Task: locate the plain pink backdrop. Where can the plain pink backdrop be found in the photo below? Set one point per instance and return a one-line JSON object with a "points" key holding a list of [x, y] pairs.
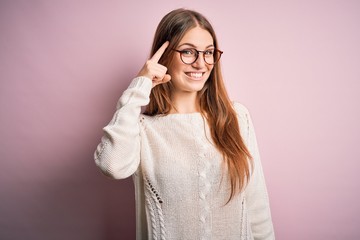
{"points": [[64, 64]]}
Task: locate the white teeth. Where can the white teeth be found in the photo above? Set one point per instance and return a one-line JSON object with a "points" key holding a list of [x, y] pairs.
{"points": [[196, 75]]}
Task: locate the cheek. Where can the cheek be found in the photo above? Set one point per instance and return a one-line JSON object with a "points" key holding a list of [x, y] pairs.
{"points": [[175, 61], [210, 69], [175, 68]]}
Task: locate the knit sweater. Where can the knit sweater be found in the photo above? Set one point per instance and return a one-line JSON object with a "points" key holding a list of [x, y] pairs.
{"points": [[181, 182]]}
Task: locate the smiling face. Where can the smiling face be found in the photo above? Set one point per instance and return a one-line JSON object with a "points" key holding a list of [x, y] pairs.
{"points": [[190, 78]]}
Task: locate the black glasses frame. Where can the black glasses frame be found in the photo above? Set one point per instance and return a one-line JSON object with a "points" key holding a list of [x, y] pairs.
{"points": [[197, 55]]}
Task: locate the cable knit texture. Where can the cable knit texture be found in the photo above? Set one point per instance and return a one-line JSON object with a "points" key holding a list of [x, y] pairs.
{"points": [[181, 183]]}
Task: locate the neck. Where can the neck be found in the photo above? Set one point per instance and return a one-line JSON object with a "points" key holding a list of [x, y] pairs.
{"points": [[185, 102]]}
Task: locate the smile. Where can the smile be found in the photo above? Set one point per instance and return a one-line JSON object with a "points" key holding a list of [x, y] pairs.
{"points": [[195, 75]]}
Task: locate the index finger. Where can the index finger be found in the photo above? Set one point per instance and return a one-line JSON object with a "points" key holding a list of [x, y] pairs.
{"points": [[156, 57]]}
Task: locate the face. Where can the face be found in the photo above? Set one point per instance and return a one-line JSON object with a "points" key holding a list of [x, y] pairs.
{"points": [[191, 77]]}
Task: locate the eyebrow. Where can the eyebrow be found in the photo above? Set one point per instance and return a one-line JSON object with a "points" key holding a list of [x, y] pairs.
{"points": [[192, 45]]}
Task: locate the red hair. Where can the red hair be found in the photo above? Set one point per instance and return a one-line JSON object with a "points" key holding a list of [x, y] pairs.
{"points": [[215, 104]]}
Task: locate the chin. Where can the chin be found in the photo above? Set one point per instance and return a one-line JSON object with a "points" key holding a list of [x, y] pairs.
{"points": [[196, 87]]}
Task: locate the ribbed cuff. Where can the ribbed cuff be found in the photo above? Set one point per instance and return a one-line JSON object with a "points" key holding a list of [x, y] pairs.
{"points": [[142, 83]]}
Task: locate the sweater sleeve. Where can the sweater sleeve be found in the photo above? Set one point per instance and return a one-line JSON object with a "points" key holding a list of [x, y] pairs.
{"points": [[256, 195], [118, 153]]}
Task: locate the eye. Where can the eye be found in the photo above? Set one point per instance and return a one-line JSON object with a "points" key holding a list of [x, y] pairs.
{"points": [[188, 52], [209, 52]]}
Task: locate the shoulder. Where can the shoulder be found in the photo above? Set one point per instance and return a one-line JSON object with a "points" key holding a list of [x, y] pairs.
{"points": [[240, 108], [243, 115], [241, 111]]}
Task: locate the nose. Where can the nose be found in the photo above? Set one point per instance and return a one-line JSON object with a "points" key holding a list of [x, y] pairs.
{"points": [[200, 61]]}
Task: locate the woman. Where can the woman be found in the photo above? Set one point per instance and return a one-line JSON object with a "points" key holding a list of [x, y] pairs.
{"points": [[192, 153]]}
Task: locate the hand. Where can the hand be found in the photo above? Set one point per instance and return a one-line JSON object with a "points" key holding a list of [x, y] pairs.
{"points": [[155, 71]]}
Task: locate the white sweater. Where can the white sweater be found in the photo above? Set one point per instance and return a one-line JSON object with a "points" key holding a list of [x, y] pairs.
{"points": [[181, 185]]}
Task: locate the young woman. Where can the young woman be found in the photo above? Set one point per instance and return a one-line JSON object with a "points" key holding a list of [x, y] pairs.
{"points": [[192, 152]]}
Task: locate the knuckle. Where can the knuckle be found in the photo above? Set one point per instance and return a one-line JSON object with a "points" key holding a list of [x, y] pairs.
{"points": [[148, 63]]}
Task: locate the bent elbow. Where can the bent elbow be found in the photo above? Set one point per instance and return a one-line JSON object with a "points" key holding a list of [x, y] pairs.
{"points": [[116, 169]]}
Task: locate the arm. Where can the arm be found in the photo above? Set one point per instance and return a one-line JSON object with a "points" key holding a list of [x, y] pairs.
{"points": [[256, 195], [118, 154]]}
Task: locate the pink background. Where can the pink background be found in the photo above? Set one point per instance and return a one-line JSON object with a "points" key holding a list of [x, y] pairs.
{"points": [[64, 64]]}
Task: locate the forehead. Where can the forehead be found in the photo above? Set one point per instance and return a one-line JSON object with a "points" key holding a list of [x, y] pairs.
{"points": [[198, 37]]}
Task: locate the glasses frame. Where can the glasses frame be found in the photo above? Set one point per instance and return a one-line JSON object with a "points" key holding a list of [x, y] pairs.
{"points": [[198, 54]]}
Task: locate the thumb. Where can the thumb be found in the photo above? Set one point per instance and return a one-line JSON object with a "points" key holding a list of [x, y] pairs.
{"points": [[166, 78]]}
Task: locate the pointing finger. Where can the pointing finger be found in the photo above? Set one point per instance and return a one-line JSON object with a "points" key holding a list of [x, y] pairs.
{"points": [[156, 57]]}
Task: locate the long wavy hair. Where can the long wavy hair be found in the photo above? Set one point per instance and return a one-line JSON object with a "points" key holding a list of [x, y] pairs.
{"points": [[215, 105]]}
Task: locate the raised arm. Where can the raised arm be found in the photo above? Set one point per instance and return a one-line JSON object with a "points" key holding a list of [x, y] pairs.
{"points": [[118, 154]]}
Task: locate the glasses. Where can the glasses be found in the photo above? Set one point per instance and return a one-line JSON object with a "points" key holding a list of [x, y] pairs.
{"points": [[189, 56]]}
